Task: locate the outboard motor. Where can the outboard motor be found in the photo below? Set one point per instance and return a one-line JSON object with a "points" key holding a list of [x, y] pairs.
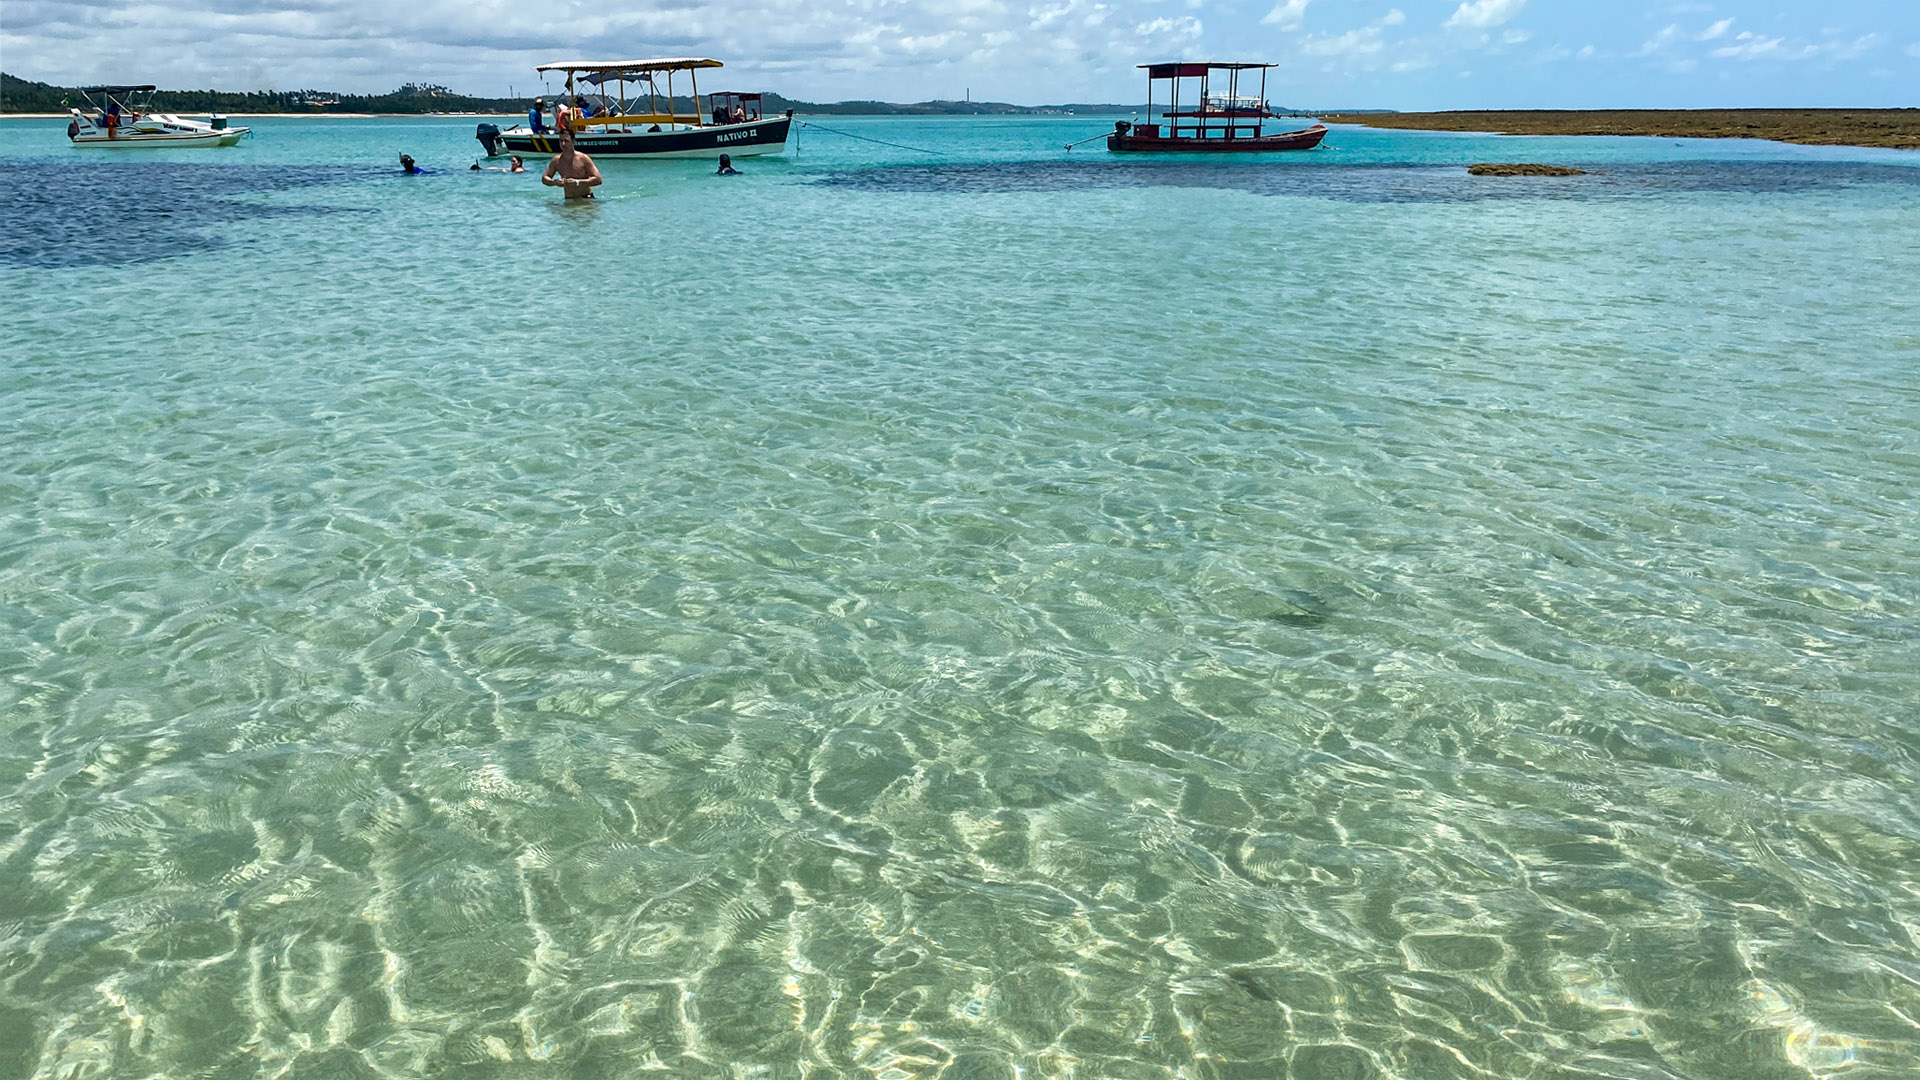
{"points": [[489, 136], [1121, 127]]}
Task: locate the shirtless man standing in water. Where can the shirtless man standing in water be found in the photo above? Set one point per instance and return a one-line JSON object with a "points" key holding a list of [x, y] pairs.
{"points": [[572, 170]]}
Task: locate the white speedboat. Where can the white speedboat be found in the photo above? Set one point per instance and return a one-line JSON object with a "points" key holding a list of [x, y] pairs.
{"points": [[123, 116]]}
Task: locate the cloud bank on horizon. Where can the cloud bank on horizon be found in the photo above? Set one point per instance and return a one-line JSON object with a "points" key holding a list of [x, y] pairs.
{"points": [[1406, 54]]}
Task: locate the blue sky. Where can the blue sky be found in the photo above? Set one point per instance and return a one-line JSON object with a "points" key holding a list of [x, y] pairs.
{"points": [[1404, 54]]}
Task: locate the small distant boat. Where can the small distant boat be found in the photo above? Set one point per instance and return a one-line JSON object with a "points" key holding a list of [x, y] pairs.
{"points": [[1212, 123], [612, 119], [119, 117]]}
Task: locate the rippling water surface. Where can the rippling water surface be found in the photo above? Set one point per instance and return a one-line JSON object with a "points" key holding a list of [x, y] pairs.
{"points": [[991, 613]]}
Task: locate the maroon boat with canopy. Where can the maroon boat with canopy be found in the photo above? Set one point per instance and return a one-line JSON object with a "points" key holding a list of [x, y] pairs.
{"points": [[1208, 121]]}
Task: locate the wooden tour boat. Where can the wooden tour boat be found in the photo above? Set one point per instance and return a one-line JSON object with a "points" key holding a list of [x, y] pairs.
{"points": [[608, 121], [1210, 123]]}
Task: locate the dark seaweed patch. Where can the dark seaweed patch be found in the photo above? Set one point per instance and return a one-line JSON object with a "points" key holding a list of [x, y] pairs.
{"points": [[1371, 183], [60, 215]]}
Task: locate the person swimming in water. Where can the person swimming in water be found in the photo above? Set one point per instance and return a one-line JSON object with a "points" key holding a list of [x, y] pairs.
{"points": [[572, 170], [726, 166], [408, 168]]}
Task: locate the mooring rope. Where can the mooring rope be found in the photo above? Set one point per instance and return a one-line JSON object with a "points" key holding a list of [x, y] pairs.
{"points": [[863, 138]]}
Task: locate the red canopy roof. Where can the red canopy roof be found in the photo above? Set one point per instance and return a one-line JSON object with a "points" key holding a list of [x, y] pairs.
{"points": [[1191, 69]]}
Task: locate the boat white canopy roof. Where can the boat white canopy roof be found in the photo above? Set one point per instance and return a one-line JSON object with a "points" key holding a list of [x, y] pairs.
{"points": [[671, 63]]}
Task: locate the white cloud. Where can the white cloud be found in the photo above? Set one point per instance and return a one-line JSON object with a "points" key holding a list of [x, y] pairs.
{"points": [[1185, 27], [1367, 49], [1288, 14], [1029, 51], [1751, 46], [1848, 50], [1481, 14], [905, 50], [1362, 42], [1660, 41]]}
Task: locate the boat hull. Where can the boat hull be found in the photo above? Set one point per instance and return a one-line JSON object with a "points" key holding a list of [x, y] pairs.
{"points": [[149, 130], [132, 140], [1305, 139], [739, 140]]}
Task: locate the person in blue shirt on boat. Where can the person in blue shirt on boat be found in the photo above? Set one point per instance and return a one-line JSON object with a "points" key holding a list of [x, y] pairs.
{"points": [[536, 122]]}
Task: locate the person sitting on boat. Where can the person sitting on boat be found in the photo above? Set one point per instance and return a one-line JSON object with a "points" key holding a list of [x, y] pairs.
{"points": [[536, 117], [562, 116], [726, 166], [571, 169]]}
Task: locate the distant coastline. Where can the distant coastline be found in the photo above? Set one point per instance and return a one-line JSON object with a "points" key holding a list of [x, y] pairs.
{"points": [[22, 97], [1895, 128], [1891, 128]]}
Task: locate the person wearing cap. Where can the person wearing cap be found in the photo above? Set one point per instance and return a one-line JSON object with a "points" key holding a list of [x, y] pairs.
{"points": [[535, 121]]}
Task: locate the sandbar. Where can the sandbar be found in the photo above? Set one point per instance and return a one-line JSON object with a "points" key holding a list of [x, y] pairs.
{"points": [[1895, 128]]}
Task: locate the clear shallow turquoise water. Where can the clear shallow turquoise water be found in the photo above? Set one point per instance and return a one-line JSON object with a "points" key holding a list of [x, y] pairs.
{"points": [[884, 616]]}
